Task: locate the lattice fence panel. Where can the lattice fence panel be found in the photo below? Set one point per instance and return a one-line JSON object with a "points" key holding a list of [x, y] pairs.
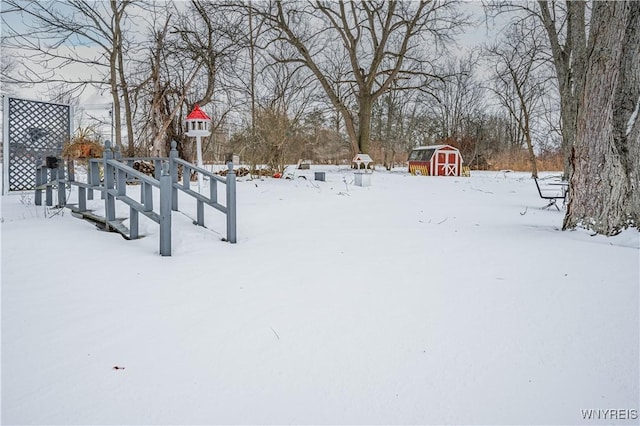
{"points": [[36, 129]]}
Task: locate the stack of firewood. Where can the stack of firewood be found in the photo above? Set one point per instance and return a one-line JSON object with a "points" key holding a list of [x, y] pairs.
{"points": [[146, 167], [149, 168], [243, 171]]}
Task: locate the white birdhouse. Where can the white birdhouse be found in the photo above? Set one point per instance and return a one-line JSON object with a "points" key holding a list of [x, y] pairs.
{"points": [[361, 177], [362, 161], [198, 123]]}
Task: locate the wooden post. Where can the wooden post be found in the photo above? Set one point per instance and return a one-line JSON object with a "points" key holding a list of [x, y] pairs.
{"points": [[157, 168], [148, 196], [213, 190], [231, 204], [48, 193], [133, 223], [71, 170], [62, 196], [82, 199], [121, 183], [200, 213], [173, 166], [39, 181], [186, 177], [94, 177], [109, 184], [165, 211]]}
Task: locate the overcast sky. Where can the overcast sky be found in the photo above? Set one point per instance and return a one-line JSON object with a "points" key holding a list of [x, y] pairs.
{"points": [[98, 104]]}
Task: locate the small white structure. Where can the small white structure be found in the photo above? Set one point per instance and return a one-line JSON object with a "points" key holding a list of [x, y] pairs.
{"points": [[361, 160], [198, 125], [361, 176]]}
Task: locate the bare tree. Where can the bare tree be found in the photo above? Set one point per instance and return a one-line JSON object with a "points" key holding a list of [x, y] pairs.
{"points": [[276, 133], [254, 33], [456, 97], [7, 70], [383, 41], [605, 183], [192, 50], [519, 81], [163, 112], [395, 123], [565, 24], [53, 36]]}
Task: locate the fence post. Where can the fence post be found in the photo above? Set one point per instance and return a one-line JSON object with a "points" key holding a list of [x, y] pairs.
{"points": [[71, 170], [82, 192], [231, 204], [121, 180], [94, 177], [157, 168], [82, 199], [117, 155], [133, 223], [39, 181], [165, 211], [213, 190], [109, 200], [48, 192], [200, 213], [147, 199], [173, 166], [62, 196], [186, 177]]}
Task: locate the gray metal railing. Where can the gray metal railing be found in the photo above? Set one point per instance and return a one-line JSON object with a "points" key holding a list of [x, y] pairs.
{"points": [[113, 187]]}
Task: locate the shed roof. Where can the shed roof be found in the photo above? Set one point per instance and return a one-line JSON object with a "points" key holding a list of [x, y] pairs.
{"points": [[434, 147]]}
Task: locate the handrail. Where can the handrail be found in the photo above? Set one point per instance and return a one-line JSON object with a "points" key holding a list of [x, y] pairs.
{"points": [[135, 173], [212, 199], [205, 172]]}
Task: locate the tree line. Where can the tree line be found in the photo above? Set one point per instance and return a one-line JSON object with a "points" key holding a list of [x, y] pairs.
{"points": [[324, 80]]}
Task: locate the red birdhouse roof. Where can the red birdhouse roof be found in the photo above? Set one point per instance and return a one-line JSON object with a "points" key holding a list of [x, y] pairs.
{"points": [[198, 114]]}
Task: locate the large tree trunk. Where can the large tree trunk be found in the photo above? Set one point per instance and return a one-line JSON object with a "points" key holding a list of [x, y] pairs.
{"points": [[364, 124], [606, 157], [569, 61], [115, 96], [118, 12], [128, 113], [532, 155]]}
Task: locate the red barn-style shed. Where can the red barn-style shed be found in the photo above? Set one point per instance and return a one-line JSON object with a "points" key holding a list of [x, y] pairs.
{"points": [[435, 160]]}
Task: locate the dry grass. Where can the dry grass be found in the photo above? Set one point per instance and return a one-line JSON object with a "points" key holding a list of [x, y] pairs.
{"points": [[519, 161], [82, 148]]}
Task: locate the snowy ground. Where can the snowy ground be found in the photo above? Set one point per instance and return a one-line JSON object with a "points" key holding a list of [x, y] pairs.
{"points": [[417, 300]]}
